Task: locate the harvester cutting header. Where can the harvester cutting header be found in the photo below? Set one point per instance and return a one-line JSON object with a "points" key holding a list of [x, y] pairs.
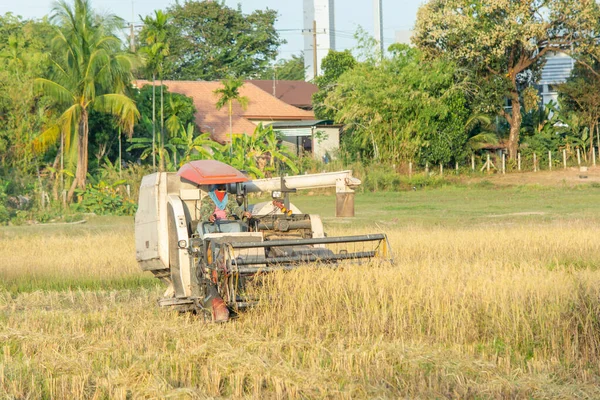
{"points": [[195, 230]]}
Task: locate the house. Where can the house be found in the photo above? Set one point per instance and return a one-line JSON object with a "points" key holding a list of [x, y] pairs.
{"points": [[262, 108], [557, 70], [295, 93], [319, 137]]}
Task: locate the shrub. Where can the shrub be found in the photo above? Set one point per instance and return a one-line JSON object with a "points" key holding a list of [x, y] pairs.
{"points": [[105, 199]]}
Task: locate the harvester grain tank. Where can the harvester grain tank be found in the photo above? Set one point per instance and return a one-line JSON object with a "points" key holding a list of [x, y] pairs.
{"points": [[207, 266]]}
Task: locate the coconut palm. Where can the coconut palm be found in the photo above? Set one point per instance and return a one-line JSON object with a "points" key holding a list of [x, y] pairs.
{"points": [[229, 93], [90, 72], [155, 32], [480, 132]]}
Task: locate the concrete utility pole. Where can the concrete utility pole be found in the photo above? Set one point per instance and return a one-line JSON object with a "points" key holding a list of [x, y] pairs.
{"points": [[132, 36], [378, 19], [314, 32], [317, 43]]}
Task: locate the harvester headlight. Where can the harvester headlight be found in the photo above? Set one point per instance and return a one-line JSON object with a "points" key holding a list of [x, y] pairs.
{"points": [[196, 244], [182, 244], [276, 194]]}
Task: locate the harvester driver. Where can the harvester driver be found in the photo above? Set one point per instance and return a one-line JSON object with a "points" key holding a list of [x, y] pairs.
{"points": [[218, 205]]}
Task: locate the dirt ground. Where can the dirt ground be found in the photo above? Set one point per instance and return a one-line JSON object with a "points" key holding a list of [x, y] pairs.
{"points": [[570, 177]]}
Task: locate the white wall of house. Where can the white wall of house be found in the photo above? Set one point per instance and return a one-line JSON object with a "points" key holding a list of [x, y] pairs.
{"points": [[320, 140], [557, 70], [326, 139]]}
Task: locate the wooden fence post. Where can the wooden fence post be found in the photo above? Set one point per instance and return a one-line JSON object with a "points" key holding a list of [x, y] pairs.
{"points": [[534, 162], [473, 162], [503, 163], [578, 157], [488, 163], [594, 155], [564, 158], [410, 169], [457, 168], [441, 169], [519, 161], [427, 168], [550, 160]]}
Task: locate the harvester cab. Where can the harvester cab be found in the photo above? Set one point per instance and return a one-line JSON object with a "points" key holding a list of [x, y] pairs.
{"points": [[209, 264]]}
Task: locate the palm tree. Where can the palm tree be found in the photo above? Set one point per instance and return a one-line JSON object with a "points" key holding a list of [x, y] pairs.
{"points": [[155, 30], [229, 93], [91, 72], [480, 132]]}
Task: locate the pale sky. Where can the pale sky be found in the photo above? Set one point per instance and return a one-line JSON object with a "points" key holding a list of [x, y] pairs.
{"points": [[397, 15]]}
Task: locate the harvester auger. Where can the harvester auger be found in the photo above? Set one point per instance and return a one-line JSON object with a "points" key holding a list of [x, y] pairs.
{"points": [[207, 266]]}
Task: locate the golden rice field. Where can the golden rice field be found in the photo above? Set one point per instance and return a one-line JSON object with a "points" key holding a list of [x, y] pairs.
{"points": [[494, 308]]}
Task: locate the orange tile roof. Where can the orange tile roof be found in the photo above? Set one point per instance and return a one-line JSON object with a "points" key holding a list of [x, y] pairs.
{"points": [[296, 93], [261, 107]]}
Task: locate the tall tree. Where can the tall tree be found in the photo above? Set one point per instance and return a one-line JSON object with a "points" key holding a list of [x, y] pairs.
{"points": [[156, 48], [90, 72], [406, 110], [229, 93], [503, 40], [24, 55], [581, 95], [210, 41], [333, 66], [291, 69]]}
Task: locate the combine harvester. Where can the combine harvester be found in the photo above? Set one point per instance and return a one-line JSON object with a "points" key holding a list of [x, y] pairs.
{"points": [[207, 266]]}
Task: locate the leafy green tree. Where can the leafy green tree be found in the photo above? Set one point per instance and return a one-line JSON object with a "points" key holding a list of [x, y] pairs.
{"points": [[210, 41], [180, 112], [291, 69], [406, 110], [90, 72], [229, 93], [24, 55], [333, 66], [146, 146], [504, 43], [581, 95]]}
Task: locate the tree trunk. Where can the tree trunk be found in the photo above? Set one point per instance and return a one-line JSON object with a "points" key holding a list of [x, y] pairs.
{"points": [[515, 126], [55, 175], [82, 155], [161, 166], [153, 124], [592, 128], [230, 131]]}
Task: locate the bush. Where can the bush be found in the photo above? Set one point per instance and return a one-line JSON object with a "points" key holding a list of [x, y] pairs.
{"points": [[105, 199]]}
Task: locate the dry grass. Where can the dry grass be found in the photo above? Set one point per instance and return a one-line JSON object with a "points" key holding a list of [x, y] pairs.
{"points": [[509, 312], [56, 261]]}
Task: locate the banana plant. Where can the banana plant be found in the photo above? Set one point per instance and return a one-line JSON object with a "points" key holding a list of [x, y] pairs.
{"points": [[194, 147]]}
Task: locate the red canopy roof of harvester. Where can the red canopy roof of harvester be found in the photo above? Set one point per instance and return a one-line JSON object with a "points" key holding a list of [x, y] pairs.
{"points": [[208, 172]]}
